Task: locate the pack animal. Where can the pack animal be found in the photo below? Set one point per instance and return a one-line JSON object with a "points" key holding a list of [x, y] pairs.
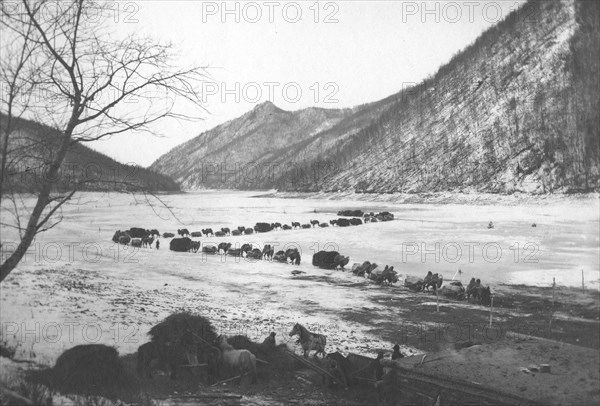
{"points": [[180, 244], [224, 246], [239, 362], [293, 255], [309, 341], [268, 252], [329, 260]]}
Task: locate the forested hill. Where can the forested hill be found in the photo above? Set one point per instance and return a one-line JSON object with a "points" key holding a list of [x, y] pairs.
{"points": [[32, 145], [518, 110]]}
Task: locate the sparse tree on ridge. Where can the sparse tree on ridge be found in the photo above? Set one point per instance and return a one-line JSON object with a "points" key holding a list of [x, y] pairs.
{"points": [[60, 66]]}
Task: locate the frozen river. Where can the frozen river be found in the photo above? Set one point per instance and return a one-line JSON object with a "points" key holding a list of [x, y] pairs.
{"points": [[423, 237], [74, 275]]}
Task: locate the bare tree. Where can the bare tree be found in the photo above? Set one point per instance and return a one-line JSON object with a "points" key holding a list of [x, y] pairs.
{"points": [[62, 68]]}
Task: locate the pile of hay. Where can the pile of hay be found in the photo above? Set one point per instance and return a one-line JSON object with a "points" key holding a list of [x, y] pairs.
{"points": [[186, 339], [91, 368], [186, 328]]}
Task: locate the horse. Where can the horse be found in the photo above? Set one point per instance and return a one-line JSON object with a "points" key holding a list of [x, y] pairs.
{"points": [[240, 362], [309, 341]]}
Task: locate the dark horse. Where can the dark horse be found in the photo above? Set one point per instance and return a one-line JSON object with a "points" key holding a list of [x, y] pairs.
{"points": [[309, 341]]}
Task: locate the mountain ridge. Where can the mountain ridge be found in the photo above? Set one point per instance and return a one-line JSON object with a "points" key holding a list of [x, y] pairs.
{"points": [[31, 148], [517, 110]]}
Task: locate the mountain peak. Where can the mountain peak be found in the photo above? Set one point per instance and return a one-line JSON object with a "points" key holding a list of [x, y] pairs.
{"points": [[267, 106]]}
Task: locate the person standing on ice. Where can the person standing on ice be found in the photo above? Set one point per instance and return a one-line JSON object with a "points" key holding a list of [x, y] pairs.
{"points": [[157, 244]]}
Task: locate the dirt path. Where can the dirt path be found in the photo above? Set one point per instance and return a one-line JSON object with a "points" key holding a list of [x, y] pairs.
{"points": [[356, 315]]}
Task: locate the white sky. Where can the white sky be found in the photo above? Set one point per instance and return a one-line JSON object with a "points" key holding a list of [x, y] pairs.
{"points": [[367, 51]]}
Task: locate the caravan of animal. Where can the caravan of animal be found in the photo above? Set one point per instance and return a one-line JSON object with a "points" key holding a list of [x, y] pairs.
{"points": [[147, 237]]}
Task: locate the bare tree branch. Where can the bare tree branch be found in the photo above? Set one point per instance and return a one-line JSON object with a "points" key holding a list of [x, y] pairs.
{"points": [[67, 72]]}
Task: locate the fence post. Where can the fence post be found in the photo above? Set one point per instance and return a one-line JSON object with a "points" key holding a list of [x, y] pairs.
{"points": [[552, 309], [491, 310]]}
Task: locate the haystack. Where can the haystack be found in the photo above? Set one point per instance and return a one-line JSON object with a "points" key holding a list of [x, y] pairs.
{"points": [[182, 328], [186, 339], [91, 368]]}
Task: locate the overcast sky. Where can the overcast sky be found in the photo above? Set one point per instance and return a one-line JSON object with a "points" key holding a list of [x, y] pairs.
{"points": [[298, 54]]}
